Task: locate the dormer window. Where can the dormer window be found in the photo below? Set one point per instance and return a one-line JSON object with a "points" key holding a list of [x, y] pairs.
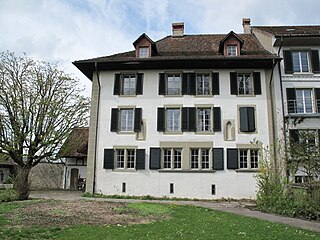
{"points": [[232, 50], [143, 52]]}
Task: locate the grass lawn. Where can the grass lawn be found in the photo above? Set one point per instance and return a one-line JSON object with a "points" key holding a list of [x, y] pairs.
{"points": [[148, 221]]}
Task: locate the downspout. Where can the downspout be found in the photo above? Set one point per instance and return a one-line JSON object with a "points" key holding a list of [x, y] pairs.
{"points": [[96, 138]]}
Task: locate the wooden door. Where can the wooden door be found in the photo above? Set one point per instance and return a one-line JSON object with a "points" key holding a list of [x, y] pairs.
{"points": [[74, 179]]}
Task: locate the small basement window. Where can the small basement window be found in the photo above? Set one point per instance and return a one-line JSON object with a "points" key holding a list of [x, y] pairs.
{"points": [[143, 52]]}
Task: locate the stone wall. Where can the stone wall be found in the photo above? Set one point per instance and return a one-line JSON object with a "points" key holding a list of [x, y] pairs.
{"points": [[47, 176]]}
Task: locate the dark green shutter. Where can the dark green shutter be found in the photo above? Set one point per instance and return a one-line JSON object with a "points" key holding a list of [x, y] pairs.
{"points": [[161, 120], [247, 119], [108, 162], [192, 119], [317, 93], [233, 83], [188, 84], [192, 84], [185, 120], [116, 89], [185, 84], [257, 83], [140, 159], [215, 84], [155, 158], [137, 119], [114, 119], [162, 84], [291, 100], [288, 64], [294, 136], [218, 163], [216, 119], [139, 87], [232, 158], [315, 61]]}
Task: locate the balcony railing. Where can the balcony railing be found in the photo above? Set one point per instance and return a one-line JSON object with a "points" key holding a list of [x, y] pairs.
{"points": [[303, 106]]}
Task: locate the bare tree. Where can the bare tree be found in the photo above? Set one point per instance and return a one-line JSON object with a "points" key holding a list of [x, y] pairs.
{"points": [[39, 106]]}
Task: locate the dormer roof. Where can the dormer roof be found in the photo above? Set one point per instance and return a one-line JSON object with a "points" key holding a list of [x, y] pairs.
{"points": [[145, 37], [229, 35]]}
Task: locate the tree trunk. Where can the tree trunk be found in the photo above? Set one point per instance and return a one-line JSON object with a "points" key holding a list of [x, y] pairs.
{"points": [[21, 183]]}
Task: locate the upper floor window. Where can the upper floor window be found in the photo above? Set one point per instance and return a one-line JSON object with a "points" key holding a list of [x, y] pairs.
{"points": [[128, 84], [300, 61], [126, 119], [303, 100], [245, 84], [203, 84], [143, 52], [204, 123], [173, 119], [232, 50], [173, 84], [247, 119]]}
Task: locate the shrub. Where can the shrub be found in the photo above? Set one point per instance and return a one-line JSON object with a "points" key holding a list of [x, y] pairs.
{"points": [[8, 195]]}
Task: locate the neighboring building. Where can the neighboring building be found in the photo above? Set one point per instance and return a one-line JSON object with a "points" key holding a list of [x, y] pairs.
{"points": [[179, 117], [297, 94], [74, 154], [7, 169]]}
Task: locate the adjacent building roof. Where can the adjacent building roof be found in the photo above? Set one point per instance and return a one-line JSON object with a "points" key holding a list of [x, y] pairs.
{"points": [[183, 48], [291, 30], [76, 145], [5, 160]]}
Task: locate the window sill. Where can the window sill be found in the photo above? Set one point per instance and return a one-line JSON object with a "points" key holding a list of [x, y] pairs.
{"points": [[124, 170], [125, 96], [304, 115], [173, 133], [205, 133], [246, 95], [177, 95], [204, 96], [247, 170], [186, 171], [126, 133], [255, 132]]}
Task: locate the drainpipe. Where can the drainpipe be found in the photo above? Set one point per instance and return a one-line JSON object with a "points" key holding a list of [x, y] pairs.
{"points": [[96, 138]]}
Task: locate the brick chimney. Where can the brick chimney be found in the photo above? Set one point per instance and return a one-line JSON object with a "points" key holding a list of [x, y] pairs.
{"points": [[246, 25], [177, 29]]}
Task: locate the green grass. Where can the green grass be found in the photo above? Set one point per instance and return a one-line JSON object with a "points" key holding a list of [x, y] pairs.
{"points": [[186, 222]]}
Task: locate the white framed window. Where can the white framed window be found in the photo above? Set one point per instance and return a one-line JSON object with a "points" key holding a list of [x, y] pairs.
{"points": [[129, 85], [300, 60], [204, 119], [173, 84], [126, 120], [203, 84], [248, 158], [172, 158], [232, 50], [143, 52], [200, 158], [173, 119], [245, 84], [304, 101], [125, 158]]}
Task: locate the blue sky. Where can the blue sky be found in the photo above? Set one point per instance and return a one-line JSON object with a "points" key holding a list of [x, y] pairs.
{"points": [[61, 31]]}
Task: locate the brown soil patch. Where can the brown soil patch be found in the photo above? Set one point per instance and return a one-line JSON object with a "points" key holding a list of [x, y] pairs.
{"points": [[68, 213]]}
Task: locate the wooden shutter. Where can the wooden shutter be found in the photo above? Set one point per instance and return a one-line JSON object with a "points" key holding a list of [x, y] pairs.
{"points": [[317, 95], [288, 65], [192, 119], [291, 100], [117, 81], [188, 119], [108, 162], [140, 159], [162, 84], [137, 119], [155, 158], [185, 84], [161, 120], [218, 163], [216, 119], [257, 83], [192, 84], [188, 84], [294, 136], [185, 120], [215, 84], [232, 158], [315, 61], [139, 86], [114, 119], [247, 119], [233, 83]]}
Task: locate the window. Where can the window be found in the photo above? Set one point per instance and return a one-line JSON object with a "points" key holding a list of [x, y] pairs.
{"points": [[1, 176], [129, 85], [200, 158], [173, 119], [247, 119], [143, 52], [125, 158], [126, 122], [245, 84], [248, 158], [203, 84], [300, 61], [232, 50], [173, 84], [204, 119], [172, 158], [303, 100]]}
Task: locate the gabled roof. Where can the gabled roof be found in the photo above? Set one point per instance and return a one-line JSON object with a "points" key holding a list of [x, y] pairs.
{"points": [[291, 30], [143, 35], [76, 144], [226, 38], [5, 160]]}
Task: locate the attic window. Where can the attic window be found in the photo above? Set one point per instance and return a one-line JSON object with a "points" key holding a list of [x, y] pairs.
{"points": [[232, 50], [143, 52]]}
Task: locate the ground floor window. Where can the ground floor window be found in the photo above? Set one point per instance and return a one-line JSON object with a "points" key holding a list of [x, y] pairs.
{"points": [[200, 158], [172, 158], [248, 158], [125, 158]]}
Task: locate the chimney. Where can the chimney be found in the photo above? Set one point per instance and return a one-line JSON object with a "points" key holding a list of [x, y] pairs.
{"points": [[177, 29], [246, 25]]}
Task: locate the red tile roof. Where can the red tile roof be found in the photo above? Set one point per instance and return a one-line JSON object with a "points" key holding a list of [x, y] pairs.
{"points": [[76, 144], [291, 30]]}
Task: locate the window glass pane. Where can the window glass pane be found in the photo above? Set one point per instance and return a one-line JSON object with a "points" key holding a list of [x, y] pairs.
{"points": [[296, 61], [126, 123], [143, 52], [300, 61], [120, 158], [177, 158], [205, 160], [203, 84], [204, 119], [304, 61], [167, 158], [254, 158], [304, 101], [173, 120], [129, 84], [245, 84], [243, 158], [232, 50], [194, 153], [173, 84], [130, 158]]}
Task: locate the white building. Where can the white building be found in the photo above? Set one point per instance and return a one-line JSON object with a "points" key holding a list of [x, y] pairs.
{"points": [[178, 117]]}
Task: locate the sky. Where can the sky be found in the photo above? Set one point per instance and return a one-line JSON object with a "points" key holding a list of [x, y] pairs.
{"points": [[62, 31]]}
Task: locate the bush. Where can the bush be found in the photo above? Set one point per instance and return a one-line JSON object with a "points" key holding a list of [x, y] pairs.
{"points": [[8, 195]]}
